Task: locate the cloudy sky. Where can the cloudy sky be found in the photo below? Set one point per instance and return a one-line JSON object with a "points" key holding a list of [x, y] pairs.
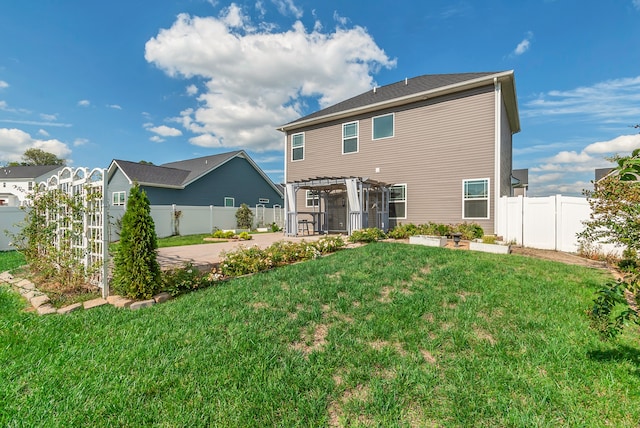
{"points": [[162, 80]]}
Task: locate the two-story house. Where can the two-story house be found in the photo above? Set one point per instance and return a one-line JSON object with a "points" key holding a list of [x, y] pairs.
{"points": [[430, 148], [16, 182]]}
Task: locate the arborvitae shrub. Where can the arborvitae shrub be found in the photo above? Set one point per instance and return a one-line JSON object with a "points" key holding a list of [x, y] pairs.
{"points": [[136, 271]]}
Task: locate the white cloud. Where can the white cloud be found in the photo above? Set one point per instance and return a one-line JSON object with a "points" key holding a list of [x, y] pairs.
{"points": [[43, 133], [611, 101], [192, 90], [114, 106], [4, 106], [3, 84], [287, 7], [164, 131], [157, 139], [257, 78], [623, 143], [636, 4], [49, 117], [571, 157], [14, 142], [84, 103], [524, 45], [80, 142]]}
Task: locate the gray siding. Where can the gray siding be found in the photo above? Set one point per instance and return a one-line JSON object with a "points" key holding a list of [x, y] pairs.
{"points": [[236, 179], [437, 144], [505, 154], [117, 183]]}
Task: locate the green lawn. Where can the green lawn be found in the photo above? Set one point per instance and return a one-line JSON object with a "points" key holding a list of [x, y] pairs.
{"points": [[383, 335], [10, 260]]}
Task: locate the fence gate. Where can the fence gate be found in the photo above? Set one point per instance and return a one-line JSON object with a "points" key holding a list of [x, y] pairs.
{"points": [[82, 229]]}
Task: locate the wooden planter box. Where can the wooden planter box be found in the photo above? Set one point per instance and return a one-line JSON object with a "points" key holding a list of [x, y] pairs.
{"points": [[429, 241], [489, 248]]}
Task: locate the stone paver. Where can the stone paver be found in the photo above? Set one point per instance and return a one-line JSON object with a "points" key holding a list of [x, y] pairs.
{"points": [[142, 304], [94, 303], [71, 308], [25, 284], [46, 309], [119, 301], [38, 301], [162, 297]]}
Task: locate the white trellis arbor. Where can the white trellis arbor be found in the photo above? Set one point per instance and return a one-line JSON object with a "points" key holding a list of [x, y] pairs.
{"points": [[82, 228]]}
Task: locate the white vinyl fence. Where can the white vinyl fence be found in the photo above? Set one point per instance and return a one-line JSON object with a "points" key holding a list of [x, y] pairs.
{"points": [[548, 223], [190, 220]]}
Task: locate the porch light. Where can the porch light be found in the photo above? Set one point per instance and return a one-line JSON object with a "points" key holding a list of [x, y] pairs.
{"points": [[456, 238]]}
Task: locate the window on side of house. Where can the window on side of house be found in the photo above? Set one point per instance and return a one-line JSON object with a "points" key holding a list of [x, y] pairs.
{"points": [[475, 199], [383, 126], [229, 202], [118, 198], [312, 199], [398, 201], [350, 137], [297, 147]]}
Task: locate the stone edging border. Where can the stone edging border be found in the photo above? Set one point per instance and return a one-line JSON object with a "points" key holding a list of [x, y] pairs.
{"points": [[42, 304]]}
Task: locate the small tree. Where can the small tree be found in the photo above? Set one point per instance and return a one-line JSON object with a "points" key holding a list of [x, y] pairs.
{"points": [[32, 157], [615, 218], [244, 217], [136, 270]]}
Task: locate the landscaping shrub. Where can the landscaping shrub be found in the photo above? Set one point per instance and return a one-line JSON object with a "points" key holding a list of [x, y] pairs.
{"points": [[244, 217], [245, 236], [371, 234], [136, 271], [223, 235], [185, 279], [403, 231], [469, 231], [274, 227]]}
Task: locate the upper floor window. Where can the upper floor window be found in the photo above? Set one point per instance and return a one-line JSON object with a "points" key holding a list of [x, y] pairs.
{"points": [[475, 198], [383, 126], [118, 198], [398, 201], [350, 137], [297, 146], [229, 202]]}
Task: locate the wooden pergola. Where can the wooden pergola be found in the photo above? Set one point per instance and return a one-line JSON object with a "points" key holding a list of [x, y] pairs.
{"points": [[365, 202]]}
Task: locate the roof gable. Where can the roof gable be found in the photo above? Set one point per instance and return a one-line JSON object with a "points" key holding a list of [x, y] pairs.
{"points": [[201, 166], [151, 175]]}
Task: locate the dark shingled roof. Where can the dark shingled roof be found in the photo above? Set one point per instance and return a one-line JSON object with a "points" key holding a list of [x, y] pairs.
{"points": [[173, 174], [413, 85], [16, 172]]}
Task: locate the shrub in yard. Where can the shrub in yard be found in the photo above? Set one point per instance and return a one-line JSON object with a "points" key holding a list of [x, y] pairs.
{"points": [[136, 271], [245, 261], [370, 234], [403, 231], [329, 244], [223, 235], [274, 227], [244, 217], [245, 236], [469, 231], [185, 279]]}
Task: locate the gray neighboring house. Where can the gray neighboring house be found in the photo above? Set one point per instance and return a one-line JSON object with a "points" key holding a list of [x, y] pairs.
{"points": [[520, 182], [601, 173], [224, 180], [430, 148], [17, 181]]}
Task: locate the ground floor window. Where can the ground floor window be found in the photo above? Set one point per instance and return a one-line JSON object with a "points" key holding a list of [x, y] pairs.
{"points": [[398, 201], [118, 198], [312, 199], [229, 202], [475, 199]]}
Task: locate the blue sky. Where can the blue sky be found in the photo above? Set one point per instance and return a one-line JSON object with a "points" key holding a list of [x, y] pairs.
{"points": [[161, 80]]}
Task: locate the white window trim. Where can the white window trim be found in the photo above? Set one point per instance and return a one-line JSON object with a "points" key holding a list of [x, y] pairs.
{"points": [[308, 198], [357, 137], [300, 147], [233, 202], [393, 130], [113, 199], [488, 199], [406, 206]]}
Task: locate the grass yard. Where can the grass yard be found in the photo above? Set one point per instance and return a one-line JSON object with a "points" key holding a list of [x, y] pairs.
{"points": [[10, 260], [383, 335]]}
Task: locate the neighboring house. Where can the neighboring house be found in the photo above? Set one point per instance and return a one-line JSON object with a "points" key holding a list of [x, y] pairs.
{"points": [[430, 148], [601, 173], [520, 182], [17, 181], [226, 179]]}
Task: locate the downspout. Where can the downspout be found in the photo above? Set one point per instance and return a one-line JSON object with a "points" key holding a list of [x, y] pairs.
{"points": [[498, 145], [286, 203]]}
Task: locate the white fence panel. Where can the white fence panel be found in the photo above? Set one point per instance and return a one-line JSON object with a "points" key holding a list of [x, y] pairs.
{"points": [[9, 218], [539, 223], [572, 212]]}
